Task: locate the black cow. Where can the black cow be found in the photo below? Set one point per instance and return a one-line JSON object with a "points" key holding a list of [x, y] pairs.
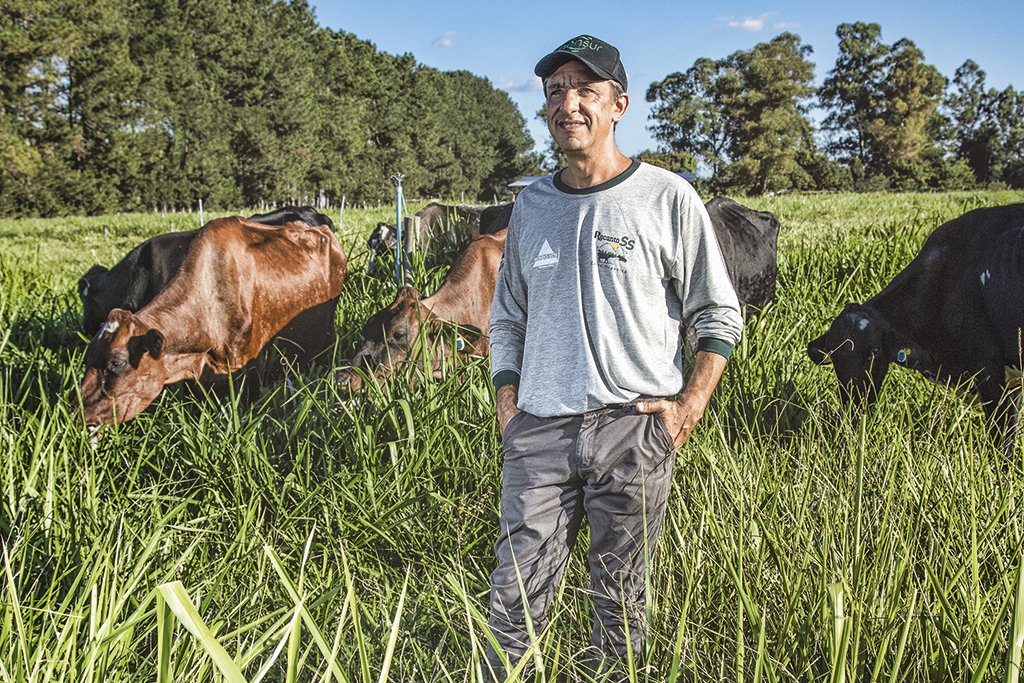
{"points": [[749, 241], [293, 214], [147, 269], [954, 314], [134, 281], [459, 223]]}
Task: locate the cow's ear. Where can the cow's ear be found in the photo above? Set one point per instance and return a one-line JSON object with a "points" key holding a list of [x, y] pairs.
{"points": [[152, 343], [468, 340], [85, 280]]}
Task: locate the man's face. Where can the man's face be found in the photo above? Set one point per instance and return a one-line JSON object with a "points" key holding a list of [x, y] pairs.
{"points": [[582, 108]]}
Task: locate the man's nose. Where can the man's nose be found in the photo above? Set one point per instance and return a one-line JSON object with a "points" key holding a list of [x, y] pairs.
{"points": [[571, 101]]}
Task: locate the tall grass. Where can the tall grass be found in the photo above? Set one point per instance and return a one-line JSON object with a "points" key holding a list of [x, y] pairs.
{"points": [[312, 536]]}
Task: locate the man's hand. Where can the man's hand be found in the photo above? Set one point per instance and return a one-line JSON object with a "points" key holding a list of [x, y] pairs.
{"points": [[679, 416], [682, 415], [507, 397]]}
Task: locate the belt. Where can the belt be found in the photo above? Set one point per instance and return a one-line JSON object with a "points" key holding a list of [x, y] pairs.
{"points": [[627, 404]]}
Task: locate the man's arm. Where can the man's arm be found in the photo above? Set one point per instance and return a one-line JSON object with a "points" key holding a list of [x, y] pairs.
{"points": [[508, 328], [682, 414], [507, 397]]}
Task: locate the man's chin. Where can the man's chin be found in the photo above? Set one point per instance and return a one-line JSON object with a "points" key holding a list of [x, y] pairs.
{"points": [[571, 145]]}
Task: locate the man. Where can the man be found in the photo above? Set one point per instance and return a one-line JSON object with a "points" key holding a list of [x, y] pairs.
{"points": [[606, 263]]}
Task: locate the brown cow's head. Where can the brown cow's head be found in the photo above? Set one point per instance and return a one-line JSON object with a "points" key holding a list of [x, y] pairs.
{"points": [[390, 336], [122, 370], [860, 346]]}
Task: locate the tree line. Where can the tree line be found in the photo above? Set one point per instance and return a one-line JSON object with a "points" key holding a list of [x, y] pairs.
{"points": [[891, 120], [107, 105]]}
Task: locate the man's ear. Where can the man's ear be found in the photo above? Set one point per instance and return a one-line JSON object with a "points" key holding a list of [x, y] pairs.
{"points": [[152, 343], [621, 105]]}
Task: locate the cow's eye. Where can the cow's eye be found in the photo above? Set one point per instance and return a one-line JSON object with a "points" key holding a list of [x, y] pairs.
{"points": [[399, 335], [116, 365]]}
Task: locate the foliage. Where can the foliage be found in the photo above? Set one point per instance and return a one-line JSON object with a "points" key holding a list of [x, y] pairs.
{"points": [[986, 126], [742, 116], [160, 103], [882, 103], [678, 162], [889, 121], [313, 536]]}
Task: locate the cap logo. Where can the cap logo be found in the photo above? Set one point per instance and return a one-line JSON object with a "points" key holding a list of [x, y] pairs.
{"points": [[580, 44]]}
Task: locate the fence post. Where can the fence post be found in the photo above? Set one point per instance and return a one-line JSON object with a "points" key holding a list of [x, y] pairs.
{"points": [[399, 245]]}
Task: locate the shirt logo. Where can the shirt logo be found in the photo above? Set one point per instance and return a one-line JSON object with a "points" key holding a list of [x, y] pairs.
{"points": [[547, 258], [611, 248]]}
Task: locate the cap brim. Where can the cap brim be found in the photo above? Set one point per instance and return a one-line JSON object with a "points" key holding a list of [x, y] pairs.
{"points": [[550, 63]]}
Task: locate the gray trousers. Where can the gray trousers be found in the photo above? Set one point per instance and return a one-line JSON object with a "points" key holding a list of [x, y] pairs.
{"points": [[613, 466]]}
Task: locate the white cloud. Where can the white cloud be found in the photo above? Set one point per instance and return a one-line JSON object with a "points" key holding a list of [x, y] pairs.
{"points": [[447, 40], [786, 25], [512, 85], [751, 24]]}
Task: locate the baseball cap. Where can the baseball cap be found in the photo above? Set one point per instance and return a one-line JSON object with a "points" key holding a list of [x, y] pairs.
{"points": [[601, 57]]}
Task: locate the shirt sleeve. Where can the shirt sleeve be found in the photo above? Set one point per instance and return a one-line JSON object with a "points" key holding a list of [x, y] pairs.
{"points": [[709, 300], [508, 312]]}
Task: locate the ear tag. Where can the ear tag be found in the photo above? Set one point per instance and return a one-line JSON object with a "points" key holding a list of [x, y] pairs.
{"points": [[459, 344], [901, 355]]}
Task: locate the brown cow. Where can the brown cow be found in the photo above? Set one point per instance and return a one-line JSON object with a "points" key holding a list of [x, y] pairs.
{"points": [[239, 285], [463, 300]]}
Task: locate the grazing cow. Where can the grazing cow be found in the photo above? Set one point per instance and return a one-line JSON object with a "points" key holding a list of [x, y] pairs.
{"points": [[954, 314], [238, 287], [495, 218], [146, 269], [134, 281], [457, 223], [462, 301], [749, 241]]}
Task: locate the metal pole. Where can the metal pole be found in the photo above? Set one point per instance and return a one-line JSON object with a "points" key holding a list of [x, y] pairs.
{"points": [[202, 222], [399, 247]]}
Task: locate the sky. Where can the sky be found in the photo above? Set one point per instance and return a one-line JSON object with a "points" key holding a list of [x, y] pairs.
{"points": [[502, 41]]}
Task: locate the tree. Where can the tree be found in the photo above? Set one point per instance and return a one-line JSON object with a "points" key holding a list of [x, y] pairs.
{"points": [[689, 114], [33, 53], [678, 162], [770, 110], [852, 92], [161, 103], [985, 126], [882, 103], [744, 117], [905, 134], [1009, 118], [973, 132]]}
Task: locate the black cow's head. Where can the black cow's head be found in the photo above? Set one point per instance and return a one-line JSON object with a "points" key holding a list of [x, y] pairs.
{"points": [[860, 345], [97, 298], [381, 240]]}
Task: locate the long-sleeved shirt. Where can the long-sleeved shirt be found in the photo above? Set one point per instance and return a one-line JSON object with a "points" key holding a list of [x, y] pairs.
{"points": [[596, 285]]}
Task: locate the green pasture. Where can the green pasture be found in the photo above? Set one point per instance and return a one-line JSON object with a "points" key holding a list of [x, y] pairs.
{"points": [[309, 536]]}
